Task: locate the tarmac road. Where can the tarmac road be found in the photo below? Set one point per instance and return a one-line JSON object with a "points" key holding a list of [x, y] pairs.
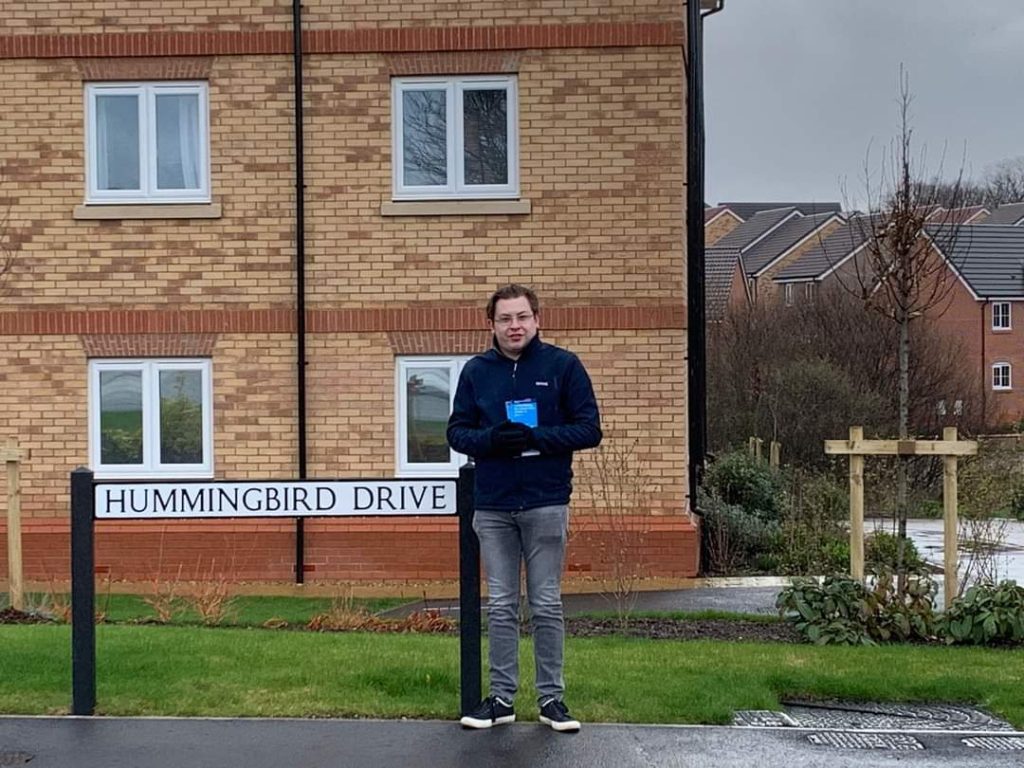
{"points": [[201, 743]]}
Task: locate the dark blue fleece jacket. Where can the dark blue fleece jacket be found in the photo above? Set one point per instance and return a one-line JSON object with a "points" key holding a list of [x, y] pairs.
{"points": [[568, 421]]}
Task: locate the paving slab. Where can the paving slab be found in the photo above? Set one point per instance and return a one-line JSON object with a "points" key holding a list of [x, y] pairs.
{"points": [[250, 743]]}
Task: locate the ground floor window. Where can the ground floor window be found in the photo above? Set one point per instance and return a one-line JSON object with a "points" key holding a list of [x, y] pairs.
{"points": [[151, 418], [1001, 376], [425, 389]]}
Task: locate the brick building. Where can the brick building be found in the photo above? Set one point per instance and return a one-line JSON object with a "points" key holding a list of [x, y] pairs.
{"points": [[149, 327]]}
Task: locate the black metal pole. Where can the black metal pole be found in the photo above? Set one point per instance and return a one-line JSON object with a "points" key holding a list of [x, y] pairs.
{"points": [[83, 595], [695, 337], [469, 592], [300, 281]]}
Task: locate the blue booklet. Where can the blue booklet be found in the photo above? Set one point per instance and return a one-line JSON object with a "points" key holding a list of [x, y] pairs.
{"points": [[522, 411]]}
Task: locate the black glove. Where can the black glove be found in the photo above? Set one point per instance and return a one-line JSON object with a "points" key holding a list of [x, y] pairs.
{"points": [[510, 438]]}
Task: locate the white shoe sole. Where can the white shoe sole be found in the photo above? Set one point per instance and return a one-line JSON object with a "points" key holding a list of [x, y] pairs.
{"points": [[472, 722], [569, 726]]}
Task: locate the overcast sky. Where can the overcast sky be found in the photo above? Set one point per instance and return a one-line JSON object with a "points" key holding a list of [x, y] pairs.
{"points": [[796, 90]]}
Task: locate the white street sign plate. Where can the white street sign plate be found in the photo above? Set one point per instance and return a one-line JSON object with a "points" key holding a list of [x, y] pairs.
{"points": [[300, 498]]}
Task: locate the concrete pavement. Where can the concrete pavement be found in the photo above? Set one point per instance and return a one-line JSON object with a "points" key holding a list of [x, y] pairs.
{"points": [[198, 743]]}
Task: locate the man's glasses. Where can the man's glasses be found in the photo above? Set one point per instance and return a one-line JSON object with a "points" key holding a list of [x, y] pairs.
{"points": [[506, 320]]}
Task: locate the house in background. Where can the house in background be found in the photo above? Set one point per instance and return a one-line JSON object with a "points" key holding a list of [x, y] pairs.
{"points": [[151, 326], [718, 222], [985, 310]]}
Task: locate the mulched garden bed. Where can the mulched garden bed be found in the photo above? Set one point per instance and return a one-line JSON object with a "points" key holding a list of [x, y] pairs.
{"points": [[12, 616]]}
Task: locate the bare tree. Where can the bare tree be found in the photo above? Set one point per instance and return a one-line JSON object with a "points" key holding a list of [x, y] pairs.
{"points": [[1004, 182], [899, 274]]}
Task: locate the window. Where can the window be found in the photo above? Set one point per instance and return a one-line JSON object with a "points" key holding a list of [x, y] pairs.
{"points": [[809, 289], [150, 418], [1001, 316], [1001, 376], [454, 137], [789, 294], [425, 391], [147, 143]]}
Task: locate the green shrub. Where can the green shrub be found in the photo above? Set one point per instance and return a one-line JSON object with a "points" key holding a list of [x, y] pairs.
{"points": [[930, 509], [735, 539], [814, 538], [986, 615], [1017, 503], [881, 551], [737, 478], [842, 611]]}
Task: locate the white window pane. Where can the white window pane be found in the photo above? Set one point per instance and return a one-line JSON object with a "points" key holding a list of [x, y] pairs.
{"points": [[177, 141], [427, 409], [424, 138], [485, 136], [121, 417], [117, 142], [181, 417]]}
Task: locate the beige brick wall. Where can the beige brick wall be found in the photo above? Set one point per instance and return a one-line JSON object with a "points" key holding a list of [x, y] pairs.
{"points": [[81, 16]]}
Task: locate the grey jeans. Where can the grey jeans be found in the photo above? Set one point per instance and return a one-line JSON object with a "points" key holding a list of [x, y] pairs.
{"points": [[536, 536]]}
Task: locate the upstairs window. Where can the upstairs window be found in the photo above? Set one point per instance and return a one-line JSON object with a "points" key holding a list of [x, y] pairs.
{"points": [[426, 391], [151, 418], [788, 289], [454, 137], [147, 143], [1001, 316], [1001, 376]]}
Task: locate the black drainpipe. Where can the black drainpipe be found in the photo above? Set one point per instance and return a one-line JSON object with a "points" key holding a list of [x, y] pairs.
{"points": [[695, 335], [300, 282]]}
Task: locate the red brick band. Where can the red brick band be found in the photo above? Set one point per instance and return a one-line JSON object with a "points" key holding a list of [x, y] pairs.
{"points": [[163, 68], [30, 322], [149, 345], [374, 40]]}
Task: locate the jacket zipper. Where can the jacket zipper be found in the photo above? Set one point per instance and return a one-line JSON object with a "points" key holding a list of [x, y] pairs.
{"points": [[518, 464]]}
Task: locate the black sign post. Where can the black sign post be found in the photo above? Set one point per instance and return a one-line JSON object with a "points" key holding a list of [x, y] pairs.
{"points": [[83, 588]]}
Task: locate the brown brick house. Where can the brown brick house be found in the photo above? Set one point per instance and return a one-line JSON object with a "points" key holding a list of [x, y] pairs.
{"points": [[150, 326]]}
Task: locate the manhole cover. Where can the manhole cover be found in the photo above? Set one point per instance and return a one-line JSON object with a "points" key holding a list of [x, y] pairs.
{"points": [[840, 740], [996, 743], [868, 716], [14, 758], [763, 718]]}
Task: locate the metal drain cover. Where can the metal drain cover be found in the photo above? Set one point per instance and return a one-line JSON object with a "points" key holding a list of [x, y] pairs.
{"points": [[996, 743], [845, 740], [873, 716], [9, 757]]}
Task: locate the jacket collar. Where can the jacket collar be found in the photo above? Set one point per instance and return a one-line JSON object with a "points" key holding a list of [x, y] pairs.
{"points": [[528, 350]]}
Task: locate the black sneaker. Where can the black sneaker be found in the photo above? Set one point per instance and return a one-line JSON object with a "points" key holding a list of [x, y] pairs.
{"points": [[553, 712], [491, 711]]}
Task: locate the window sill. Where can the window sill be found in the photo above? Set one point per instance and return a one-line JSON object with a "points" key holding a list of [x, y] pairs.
{"points": [[148, 211], [454, 207]]}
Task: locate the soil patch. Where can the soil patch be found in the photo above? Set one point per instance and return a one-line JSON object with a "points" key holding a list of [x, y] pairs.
{"points": [[688, 629], [12, 616]]}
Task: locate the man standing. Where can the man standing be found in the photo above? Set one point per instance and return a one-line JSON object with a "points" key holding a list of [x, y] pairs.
{"points": [[520, 411]]}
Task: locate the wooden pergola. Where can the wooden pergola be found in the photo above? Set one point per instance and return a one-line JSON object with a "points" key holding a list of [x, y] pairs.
{"points": [[949, 448]]}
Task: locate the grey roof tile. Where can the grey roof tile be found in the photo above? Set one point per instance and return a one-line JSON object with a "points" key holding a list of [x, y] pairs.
{"points": [[753, 228], [719, 267], [990, 258], [764, 252], [1008, 213], [823, 256]]}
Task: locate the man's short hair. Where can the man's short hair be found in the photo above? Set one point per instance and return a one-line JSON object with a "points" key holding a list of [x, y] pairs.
{"points": [[512, 291]]}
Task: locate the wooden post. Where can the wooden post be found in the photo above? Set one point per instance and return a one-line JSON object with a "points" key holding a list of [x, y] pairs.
{"points": [[758, 442], [857, 508], [775, 453], [11, 456], [751, 446], [949, 521]]}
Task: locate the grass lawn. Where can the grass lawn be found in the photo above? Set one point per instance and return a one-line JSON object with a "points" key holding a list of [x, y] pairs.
{"points": [[173, 670]]}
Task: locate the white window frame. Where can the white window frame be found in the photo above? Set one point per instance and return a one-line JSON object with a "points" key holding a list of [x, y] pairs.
{"points": [[403, 365], [997, 371], [151, 467], [788, 292], [995, 314], [454, 88], [147, 192]]}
